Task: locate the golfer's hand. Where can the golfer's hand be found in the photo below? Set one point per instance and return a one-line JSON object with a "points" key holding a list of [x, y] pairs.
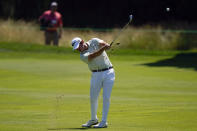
{"points": [[107, 46]]}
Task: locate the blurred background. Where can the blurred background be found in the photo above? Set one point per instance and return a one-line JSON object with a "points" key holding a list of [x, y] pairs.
{"points": [[105, 13], [169, 21], [46, 87]]}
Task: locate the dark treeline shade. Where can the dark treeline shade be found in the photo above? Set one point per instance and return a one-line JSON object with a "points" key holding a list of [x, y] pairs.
{"points": [[104, 13]]}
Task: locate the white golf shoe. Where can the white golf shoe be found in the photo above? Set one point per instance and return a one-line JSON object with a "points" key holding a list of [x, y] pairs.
{"points": [[102, 124], [90, 123]]}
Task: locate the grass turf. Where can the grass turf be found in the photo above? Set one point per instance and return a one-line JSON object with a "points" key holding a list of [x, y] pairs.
{"points": [[49, 90]]}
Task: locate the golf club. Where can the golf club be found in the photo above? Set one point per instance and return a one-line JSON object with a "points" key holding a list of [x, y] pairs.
{"points": [[130, 19]]}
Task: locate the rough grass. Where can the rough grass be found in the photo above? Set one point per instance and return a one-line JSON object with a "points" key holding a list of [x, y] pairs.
{"points": [[29, 32], [41, 88], [146, 37], [20, 31], [150, 38]]}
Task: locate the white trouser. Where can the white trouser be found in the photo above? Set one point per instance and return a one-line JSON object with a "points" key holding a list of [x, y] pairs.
{"points": [[105, 80]]}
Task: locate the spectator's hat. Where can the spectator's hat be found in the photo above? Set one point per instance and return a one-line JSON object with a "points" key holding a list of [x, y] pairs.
{"points": [[54, 4], [75, 42]]}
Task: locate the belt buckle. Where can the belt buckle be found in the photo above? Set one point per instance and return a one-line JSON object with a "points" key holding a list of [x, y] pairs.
{"points": [[103, 69]]}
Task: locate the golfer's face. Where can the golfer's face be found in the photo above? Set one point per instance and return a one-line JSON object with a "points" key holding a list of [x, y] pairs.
{"points": [[53, 8], [82, 46]]}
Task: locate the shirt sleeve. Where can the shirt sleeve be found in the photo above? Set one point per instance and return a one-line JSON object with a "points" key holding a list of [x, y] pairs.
{"points": [[42, 16], [97, 40], [60, 21], [84, 57]]}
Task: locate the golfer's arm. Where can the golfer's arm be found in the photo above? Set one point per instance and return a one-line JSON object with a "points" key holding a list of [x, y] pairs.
{"points": [[97, 53], [60, 29]]}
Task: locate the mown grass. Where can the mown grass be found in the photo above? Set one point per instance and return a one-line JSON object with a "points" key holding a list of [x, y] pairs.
{"points": [[47, 88], [115, 50]]}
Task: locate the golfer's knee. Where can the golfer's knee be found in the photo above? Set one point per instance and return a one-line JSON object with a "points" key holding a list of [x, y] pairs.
{"points": [[106, 98], [93, 99]]}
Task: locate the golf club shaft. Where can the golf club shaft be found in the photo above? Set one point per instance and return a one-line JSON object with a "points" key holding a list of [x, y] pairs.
{"points": [[119, 33]]}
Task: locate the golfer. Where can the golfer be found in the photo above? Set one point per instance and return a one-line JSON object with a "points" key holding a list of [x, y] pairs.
{"points": [[51, 23], [103, 76]]}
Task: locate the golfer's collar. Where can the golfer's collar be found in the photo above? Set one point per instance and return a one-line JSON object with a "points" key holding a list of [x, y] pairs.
{"points": [[85, 49], [87, 45], [53, 12]]}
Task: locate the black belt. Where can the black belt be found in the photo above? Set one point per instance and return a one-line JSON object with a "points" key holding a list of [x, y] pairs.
{"points": [[102, 69]]}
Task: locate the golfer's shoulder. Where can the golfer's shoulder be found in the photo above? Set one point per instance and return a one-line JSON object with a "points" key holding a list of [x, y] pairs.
{"points": [[96, 40]]}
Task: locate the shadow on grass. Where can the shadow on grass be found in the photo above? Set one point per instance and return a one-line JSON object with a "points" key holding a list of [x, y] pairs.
{"points": [[68, 129], [182, 60]]}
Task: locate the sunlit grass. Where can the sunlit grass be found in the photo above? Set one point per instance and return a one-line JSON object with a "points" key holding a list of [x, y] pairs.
{"points": [[47, 88]]}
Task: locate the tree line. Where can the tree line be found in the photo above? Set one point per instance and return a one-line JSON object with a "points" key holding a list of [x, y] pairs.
{"points": [[104, 13]]}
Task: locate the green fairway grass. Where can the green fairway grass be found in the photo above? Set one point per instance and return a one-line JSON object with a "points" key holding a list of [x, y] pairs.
{"points": [[47, 88]]}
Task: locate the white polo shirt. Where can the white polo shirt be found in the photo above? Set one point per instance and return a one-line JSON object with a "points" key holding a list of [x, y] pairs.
{"points": [[99, 62]]}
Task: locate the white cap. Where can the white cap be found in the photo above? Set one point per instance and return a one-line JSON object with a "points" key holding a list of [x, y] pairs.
{"points": [[75, 42], [167, 9], [54, 4]]}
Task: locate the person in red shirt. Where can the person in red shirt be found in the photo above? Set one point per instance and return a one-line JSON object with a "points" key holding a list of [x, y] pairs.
{"points": [[51, 23]]}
